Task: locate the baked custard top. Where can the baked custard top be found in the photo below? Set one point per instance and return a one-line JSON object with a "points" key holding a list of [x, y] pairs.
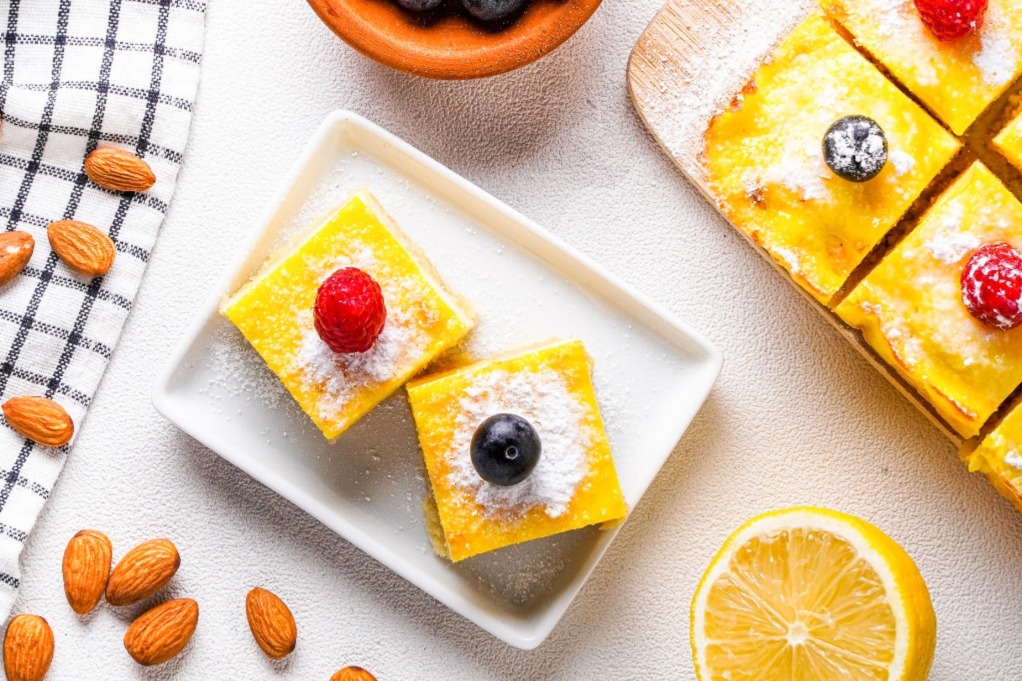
{"points": [[764, 157], [911, 312], [957, 79]]}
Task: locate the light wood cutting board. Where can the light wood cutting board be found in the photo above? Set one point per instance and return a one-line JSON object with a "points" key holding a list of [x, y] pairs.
{"points": [[689, 62]]}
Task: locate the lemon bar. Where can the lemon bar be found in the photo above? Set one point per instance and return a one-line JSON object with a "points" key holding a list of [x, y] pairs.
{"points": [[999, 457], [1009, 141], [910, 307], [765, 162], [573, 485], [274, 311], [957, 79]]}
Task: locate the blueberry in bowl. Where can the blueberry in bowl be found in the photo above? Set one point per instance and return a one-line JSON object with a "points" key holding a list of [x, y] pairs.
{"points": [[454, 39], [492, 10], [494, 14], [420, 5]]}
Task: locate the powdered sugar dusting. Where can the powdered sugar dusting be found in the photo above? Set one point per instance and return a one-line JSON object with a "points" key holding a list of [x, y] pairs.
{"points": [[1014, 459], [902, 161], [895, 15], [806, 177], [790, 259], [953, 246], [239, 373], [341, 376], [804, 174], [543, 398], [997, 58], [951, 243]]}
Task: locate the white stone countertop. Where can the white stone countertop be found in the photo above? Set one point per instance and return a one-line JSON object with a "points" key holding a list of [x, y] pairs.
{"points": [[796, 418]]}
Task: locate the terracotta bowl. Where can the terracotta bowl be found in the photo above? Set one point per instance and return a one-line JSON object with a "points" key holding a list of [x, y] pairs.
{"points": [[448, 43]]}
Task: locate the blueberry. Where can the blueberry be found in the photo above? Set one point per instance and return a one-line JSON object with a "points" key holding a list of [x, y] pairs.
{"points": [[505, 449], [420, 5], [492, 10], [855, 148]]}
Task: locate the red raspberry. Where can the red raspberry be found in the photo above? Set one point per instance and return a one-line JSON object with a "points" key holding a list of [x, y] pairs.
{"points": [[992, 285], [350, 312], [952, 19]]}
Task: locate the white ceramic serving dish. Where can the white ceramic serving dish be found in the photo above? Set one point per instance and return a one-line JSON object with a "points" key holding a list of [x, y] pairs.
{"points": [[652, 373]]}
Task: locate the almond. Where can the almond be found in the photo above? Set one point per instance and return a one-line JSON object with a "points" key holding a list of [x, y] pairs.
{"points": [[15, 252], [352, 674], [28, 648], [39, 419], [271, 622], [162, 632], [119, 170], [82, 247], [143, 571], [86, 569]]}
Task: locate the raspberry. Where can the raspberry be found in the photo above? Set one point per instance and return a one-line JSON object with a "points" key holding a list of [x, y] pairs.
{"points": [[952, 19], [992, 285], [350, 312]]}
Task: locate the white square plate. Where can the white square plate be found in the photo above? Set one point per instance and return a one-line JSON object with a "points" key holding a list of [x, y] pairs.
{"points": [[652, 373]]}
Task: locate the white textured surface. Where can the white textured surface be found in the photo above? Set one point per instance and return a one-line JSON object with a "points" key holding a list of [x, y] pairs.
{"points": [[797, 416]]}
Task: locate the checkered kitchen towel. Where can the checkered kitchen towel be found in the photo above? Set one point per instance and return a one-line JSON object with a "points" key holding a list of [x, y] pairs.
{"points": [[77, 74]]}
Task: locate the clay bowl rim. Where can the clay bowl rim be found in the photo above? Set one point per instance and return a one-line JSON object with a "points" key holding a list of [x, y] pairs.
{"points": [[524, 41]]}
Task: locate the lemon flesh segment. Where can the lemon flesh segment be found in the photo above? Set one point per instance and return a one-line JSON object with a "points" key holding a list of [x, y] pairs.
{"points": [[807, 602]]}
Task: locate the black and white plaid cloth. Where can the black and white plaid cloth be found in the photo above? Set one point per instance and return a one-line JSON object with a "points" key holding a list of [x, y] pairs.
{"points": [[77, 74]]}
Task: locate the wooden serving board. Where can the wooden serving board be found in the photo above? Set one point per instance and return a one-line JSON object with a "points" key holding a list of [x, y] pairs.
{"points": [[689, 62]]}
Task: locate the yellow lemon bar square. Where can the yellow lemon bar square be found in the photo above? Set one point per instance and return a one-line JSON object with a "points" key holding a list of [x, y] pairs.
{"points": [[999, 457], [573, 485], [1009, 141], [274, 311], [957, 79], [910, 307], [765, 165]]}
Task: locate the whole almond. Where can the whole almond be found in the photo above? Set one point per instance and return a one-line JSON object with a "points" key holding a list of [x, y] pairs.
{"points": [[119, 170], [352, 674], [39, 419], [271, 622], [28, 648], [143, 571], [162, 632], [15, 252], [86, 569], [82, 247]]}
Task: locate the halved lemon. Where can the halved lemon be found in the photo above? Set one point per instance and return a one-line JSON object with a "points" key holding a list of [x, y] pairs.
{"points": [[809, 594]]}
